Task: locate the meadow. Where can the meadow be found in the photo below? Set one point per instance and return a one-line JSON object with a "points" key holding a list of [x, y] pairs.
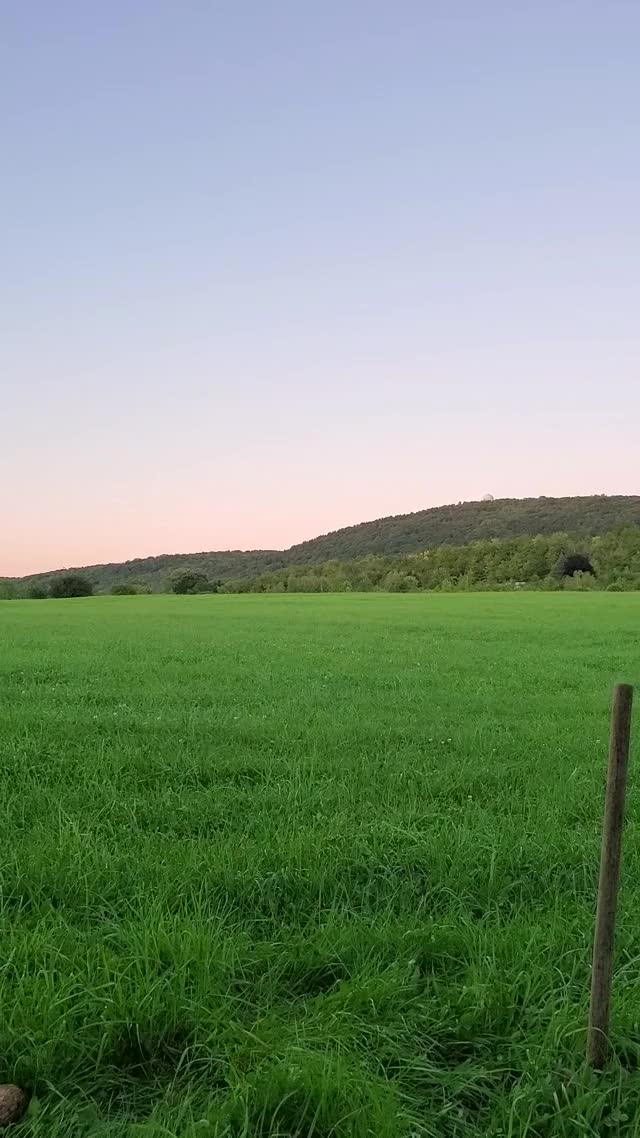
{"points": [[312, 867]]}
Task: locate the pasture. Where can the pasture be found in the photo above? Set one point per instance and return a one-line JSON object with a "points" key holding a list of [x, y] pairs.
{"points": [[320, 867]]}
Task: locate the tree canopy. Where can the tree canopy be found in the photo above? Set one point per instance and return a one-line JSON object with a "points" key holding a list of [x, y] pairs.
{"points": [[608, 561], [70, 585]]}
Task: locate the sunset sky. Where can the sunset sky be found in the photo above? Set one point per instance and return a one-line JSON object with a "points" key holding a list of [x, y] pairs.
{"points": [[271, 267]]}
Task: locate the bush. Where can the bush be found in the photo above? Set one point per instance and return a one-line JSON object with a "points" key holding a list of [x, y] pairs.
{"points": [[615, 587], [579, 582], [130, 589], [409, 583], [393, 581], [574, 563], [70, 585], [187, 582]]}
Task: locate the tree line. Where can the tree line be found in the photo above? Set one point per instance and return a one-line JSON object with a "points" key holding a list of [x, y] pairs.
{"points": [[558, 561], [456, 525]]}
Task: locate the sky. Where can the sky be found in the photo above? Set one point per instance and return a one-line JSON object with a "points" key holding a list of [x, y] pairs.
{"points": [[272, 267]]}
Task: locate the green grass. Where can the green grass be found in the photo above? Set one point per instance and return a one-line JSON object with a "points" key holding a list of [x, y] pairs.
{"points": [[312, 866]]}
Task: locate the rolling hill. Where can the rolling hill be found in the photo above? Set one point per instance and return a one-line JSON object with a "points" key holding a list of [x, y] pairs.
{"points": [[405, 533]]}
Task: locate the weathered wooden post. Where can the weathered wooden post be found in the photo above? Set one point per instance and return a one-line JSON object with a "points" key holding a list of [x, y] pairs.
{"points": [[601, 977]]}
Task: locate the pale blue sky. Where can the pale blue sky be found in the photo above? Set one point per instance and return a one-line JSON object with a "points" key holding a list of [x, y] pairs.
{"points": [[274, 267]]}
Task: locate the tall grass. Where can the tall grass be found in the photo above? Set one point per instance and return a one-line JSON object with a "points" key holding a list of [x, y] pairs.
{"points": [[313, 866]]}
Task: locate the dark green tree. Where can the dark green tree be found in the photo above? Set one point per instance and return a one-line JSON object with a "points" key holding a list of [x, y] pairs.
{"points": [[37, 591], [574, 563], [70, 585], [187, 582]]}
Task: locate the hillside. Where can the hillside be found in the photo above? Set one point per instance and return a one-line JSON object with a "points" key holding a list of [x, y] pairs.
{"points": [[154, 571], [609, 561], [457, 525], [467, 522]]}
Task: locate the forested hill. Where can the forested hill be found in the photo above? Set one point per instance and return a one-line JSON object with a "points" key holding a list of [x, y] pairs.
{"points": [[466, 522], [406, 533]]}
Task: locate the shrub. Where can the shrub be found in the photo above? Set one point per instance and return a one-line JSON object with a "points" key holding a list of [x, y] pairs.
{"points": [[579, 582], [70, 585], [141, 589], [409, 583], [187, 582], [574, 563], [393, 581], [130, 589]]}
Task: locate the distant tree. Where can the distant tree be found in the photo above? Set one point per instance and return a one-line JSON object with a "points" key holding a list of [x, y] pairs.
{"points": [[70, 585], [141, 588], [236, 586], [187, 582], [394, 582], [36, 591], [573, 563], [303, 583], [409, 583], [8, 591], [130, 589], [522, 562]]}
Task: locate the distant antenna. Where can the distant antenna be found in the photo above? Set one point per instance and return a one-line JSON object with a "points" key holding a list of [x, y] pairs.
{"points": [[488, 498]]}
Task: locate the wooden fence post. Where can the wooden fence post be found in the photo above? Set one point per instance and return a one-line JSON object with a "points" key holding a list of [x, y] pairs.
{"points": [[597, 1042]]}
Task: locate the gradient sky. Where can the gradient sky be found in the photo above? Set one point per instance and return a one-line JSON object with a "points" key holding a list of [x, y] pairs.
{"points": [[270, 267]]}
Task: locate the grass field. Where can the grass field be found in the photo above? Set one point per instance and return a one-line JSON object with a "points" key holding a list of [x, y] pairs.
{"points": [[312, 866]]}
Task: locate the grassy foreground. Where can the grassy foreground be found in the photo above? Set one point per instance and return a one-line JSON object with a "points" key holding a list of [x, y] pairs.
{"points": [[312, 866]]}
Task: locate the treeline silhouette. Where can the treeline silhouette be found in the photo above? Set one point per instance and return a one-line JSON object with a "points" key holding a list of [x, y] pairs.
{"points": [[455, 525], [559, 561]]}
